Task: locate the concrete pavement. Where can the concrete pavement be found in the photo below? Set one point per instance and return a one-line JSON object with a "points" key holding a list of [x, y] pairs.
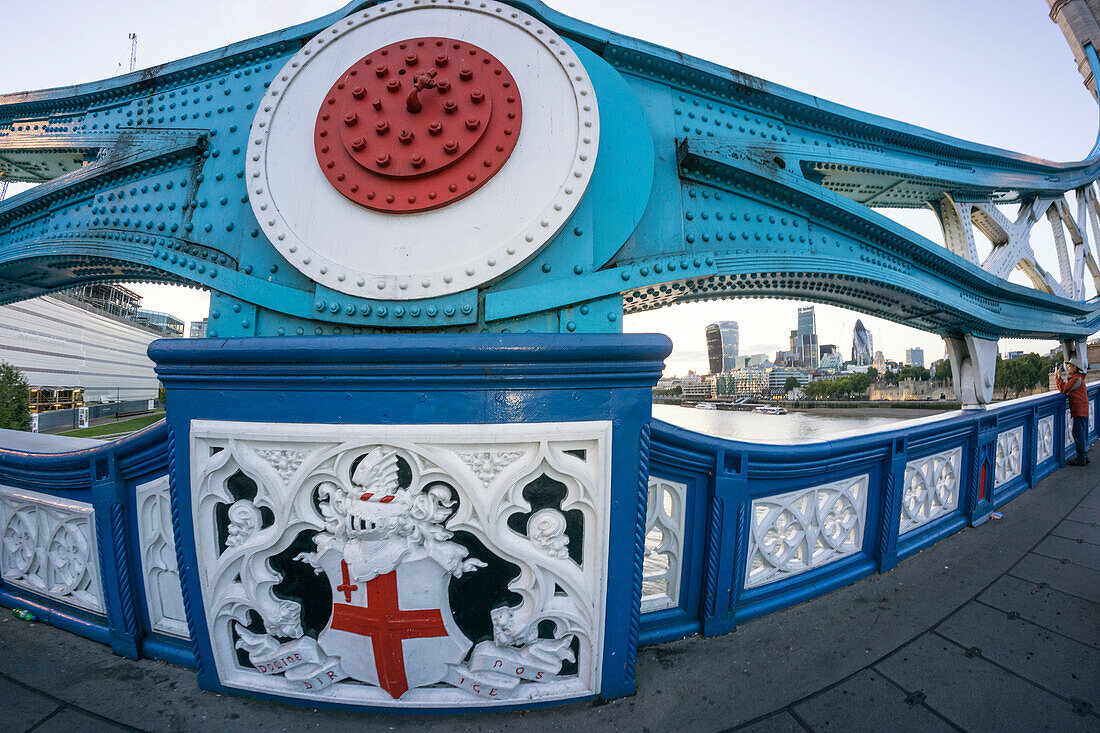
{"points": [[995, 628]]}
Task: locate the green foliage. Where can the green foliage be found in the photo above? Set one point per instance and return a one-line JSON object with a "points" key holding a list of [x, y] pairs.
{"points": [[15, 406], [872, 373], [914, 372], [791, 383], [839, 388], [890, 377], [1023, 374]]}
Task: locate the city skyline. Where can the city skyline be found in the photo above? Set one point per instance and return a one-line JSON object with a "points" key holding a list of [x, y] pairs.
{"points": [[1056, 119]]}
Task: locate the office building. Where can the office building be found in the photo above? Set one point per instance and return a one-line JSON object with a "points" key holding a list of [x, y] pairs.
{"points": [[71, 352], [164, 323], [198, 329], [806, 338], [722, 338], [830, 362], [777, 379], [862, 348], [914, 357]]}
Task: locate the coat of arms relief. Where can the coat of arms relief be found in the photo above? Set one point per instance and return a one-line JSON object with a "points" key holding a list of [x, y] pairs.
{"points": [[399, 565]]}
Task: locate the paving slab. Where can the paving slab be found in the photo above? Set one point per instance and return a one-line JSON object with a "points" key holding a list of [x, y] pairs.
{"points": [[1066, 577], [1061, 665], [74, 721], [1069, 529], [1077, 552], [977, 695], [1049, 608], [1085, 514], [868, 702], [781, 722], [1092, 500], [21, 708]]}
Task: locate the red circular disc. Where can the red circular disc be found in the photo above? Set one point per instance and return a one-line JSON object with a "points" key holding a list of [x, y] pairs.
{"points": [[418, 124]]}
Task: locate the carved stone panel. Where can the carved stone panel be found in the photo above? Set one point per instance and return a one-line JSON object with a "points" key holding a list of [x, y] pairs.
{"points": [[411, 566], [805, 529], [1069, 429], [931, 488], [1044, 447], [159, 567], [1010, 455], [664, 544], [49, 547]]}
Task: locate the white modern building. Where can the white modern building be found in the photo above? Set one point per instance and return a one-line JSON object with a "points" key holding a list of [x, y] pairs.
{"points": [[60, 344]]}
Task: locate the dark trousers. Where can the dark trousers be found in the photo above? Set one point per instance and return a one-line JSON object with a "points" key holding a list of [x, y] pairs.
{"points": [[1080, 430]]}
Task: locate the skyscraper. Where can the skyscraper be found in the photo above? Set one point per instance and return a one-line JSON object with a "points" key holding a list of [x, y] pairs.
{"points": [[861, 345], [806, 347], [722, 338], [914, 357]]}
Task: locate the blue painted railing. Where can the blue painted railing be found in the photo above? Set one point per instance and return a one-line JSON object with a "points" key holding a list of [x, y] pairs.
{"points": [[724, 479], [104, 476], [734, 488]]}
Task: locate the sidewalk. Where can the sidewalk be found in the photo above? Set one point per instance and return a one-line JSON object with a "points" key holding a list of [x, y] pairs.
{"points": [[995, 628]]}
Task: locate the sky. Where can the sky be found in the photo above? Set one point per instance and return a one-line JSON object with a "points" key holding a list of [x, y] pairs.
{"points": [[997, 72]]}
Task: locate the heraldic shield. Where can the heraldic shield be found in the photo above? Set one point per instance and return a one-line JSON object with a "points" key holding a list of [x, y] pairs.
{"points": [[389, 562]]}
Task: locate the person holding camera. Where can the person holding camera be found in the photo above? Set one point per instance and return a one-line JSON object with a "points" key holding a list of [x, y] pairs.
{"points": [[1071, 381]]}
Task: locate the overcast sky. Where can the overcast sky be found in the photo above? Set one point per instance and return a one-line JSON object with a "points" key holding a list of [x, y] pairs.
{"points": [[994, 71]]}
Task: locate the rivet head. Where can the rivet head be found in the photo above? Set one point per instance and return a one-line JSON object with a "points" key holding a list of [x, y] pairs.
{"points": [[382, 159], [450, 147], [358, 143], [405, 136], [416, 161], [477, 96], [450, 106], [382, 127], [435, 127], [472, 123], [465, 74], [393, 85]]}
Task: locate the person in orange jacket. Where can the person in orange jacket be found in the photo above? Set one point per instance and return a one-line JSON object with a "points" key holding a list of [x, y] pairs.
{"points": [[1074, 388]]}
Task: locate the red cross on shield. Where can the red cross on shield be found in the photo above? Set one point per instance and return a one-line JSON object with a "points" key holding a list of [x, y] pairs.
{"points": [[395, 630]]}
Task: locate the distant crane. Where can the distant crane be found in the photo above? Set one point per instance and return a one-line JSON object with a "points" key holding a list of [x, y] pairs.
{"points": [[133, 51], [3, 189]]}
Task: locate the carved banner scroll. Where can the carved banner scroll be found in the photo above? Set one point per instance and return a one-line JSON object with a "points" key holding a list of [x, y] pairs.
{"points": [[432, 566]]}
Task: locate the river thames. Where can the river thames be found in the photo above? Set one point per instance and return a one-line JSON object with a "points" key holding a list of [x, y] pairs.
{"points": [[797, 426]]}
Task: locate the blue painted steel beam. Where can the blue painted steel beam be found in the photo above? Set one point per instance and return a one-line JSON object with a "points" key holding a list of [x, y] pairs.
{"points": [[701, 165]]}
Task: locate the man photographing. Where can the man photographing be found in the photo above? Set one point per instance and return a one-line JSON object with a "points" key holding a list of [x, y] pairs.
{"points": [[1072, 382]]}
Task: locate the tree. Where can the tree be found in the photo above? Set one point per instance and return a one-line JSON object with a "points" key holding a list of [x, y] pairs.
{"points": [[792, 383], [15, 405]]}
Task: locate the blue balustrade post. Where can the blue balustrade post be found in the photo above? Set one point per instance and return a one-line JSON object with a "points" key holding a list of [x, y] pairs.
{"points": [[113, 533], [727, 537], [982, 468], [521, 462], [893, 491]]}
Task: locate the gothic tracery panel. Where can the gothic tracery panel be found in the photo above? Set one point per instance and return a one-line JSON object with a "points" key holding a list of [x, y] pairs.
{"points": [[415, 565], [1044, 447], [805, 529], [159, 566], [931, 489], [49, 547], [1010, 455], [664, 544]]}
